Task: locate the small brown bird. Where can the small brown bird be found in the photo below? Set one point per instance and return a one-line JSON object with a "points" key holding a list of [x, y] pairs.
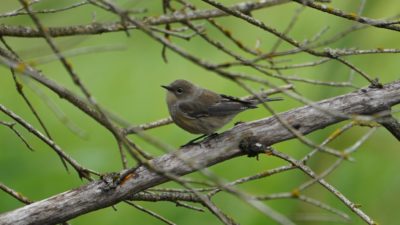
{"points": [[201, 111]]}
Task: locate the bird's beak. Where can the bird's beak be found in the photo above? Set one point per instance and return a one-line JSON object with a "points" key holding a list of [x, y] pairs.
{"points": [[167, 87]]}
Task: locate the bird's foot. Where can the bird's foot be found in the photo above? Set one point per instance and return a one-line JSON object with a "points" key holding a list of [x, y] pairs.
{"points": [[237, 123], [204, 138], [189, 144]]}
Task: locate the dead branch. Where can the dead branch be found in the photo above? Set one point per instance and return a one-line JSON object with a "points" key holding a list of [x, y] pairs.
{"points": [[99, 28], [268, 131]]}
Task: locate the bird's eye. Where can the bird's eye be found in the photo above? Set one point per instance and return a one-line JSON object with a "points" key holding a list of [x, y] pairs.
{"points": [[179, 90]]}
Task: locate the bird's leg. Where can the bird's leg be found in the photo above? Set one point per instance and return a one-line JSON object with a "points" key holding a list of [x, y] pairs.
{"points": [[237, 123], [193, 142], [204, 136], [213, 135]]}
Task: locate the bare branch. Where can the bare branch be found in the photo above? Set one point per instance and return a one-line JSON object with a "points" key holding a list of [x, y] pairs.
{"points": [[391, 25], [15, 194], [268, 62], [82, 171], [268, 131], [98, 28], [11, 126], [151, 213], [392, 125]]}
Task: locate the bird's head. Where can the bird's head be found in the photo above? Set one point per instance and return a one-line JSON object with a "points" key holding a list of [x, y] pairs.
{"points": [[180, 89]]}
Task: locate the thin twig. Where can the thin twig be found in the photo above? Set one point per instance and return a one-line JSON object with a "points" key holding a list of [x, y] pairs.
{"points": [[15, 194], [352, 206], [11, 126], [83, 172], [151, 213]]}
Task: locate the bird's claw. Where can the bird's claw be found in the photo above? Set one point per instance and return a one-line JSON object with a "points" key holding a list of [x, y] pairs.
{"points": [[195, 142]]}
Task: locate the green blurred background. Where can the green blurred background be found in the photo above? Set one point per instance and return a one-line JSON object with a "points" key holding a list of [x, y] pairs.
{"points": [[127, 82]]}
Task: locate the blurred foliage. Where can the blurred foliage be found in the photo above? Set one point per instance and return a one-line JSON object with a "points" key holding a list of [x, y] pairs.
{"points": [[128, 83]]}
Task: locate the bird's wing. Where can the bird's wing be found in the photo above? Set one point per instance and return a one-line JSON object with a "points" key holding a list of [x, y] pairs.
{"points": [[228, 108], [193, 109], [222, 108], [228, 98], [253, 101], [198, 107]]}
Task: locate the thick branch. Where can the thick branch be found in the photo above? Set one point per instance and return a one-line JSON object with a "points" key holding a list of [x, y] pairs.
{"points": [[268, 131]]}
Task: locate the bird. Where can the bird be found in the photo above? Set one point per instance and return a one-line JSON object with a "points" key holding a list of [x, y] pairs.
{"points": [[201, 111]]}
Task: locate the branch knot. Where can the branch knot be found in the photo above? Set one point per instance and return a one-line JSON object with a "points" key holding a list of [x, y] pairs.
{"points": [[251, 146]]}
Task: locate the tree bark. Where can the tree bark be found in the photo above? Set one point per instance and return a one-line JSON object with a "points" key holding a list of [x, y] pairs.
{"points": [[268, 131]]}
